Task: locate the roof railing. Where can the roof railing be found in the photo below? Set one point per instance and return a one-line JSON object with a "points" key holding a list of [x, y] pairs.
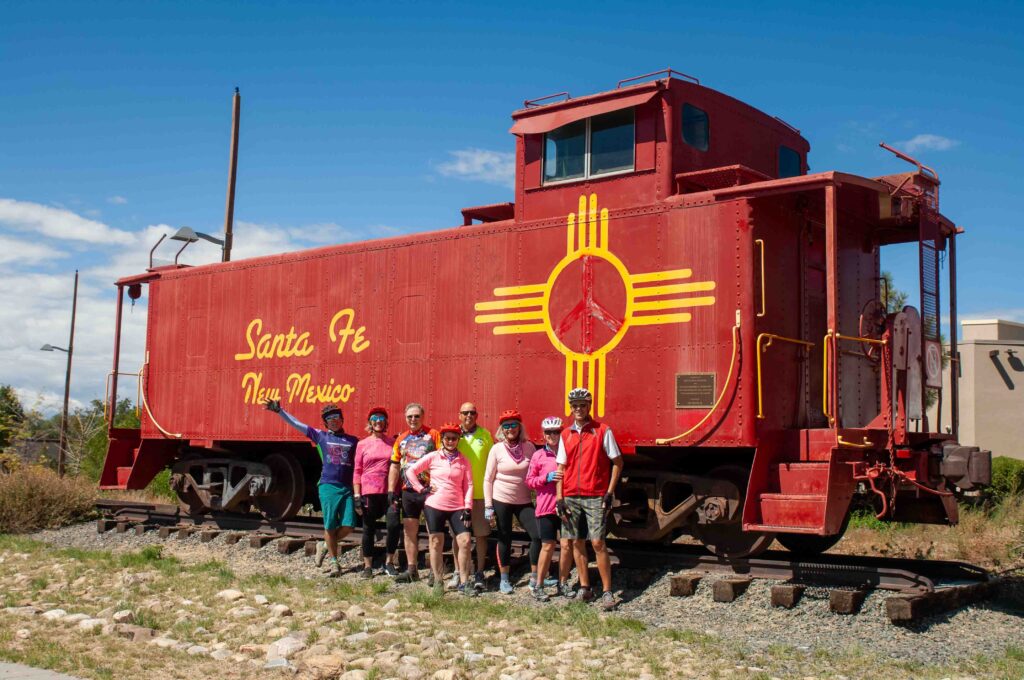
{"points": [[533, 102], [669, 71]]}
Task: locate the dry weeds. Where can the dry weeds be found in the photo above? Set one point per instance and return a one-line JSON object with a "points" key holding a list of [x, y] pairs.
{"points": [[34, 497]]}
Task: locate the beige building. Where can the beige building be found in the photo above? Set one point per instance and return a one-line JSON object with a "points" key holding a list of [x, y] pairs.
{"points": [[991, 387]]}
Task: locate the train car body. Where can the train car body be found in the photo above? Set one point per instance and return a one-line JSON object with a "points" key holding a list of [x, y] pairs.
{"points": [[666, 249]]}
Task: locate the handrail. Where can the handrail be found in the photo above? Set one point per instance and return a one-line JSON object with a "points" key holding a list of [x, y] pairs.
{"points": [[825, 382], [725, 387], [654, 73], [533, 102], [760, 242], [868, 444], [759, 350], [145, 403]]}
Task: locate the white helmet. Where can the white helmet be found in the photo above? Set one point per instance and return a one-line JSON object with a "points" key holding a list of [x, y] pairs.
{"points": [[551, 423]]}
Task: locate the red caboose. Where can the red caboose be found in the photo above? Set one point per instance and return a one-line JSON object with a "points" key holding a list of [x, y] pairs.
{"points": [[666, 249]]}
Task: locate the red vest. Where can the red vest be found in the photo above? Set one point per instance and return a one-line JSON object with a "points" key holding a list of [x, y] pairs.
{"points": [[587, 466]]}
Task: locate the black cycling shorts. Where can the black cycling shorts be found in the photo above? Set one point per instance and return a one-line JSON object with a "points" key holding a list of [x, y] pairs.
{"points": [[437, 519], [412, 504], [548, 526]]}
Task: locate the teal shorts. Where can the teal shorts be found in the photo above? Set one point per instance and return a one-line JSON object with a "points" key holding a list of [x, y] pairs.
{"points": [[337, 506]]}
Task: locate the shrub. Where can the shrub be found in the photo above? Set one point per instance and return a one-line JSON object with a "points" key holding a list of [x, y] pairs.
{"points": [[34, 498], [1007, 479]]}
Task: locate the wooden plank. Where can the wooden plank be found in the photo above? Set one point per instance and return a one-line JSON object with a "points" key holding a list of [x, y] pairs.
{"points": [[728, 589], [907, 608], [684, 585]]}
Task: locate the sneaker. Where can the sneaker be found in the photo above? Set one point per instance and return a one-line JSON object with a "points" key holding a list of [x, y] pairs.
{"points": [[550, 582], [407, 576], [430, 579], [506, 587], [454, 581], [608, 601], [321, 553], [478, 581], [467, 591], [367, 573], [533, 581], [539, 594], [389, 570], [585, 594], [565, 590], [333, 569]]}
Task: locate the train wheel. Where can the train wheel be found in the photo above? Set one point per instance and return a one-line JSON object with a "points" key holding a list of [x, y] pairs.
{"points": [[728, 539], [188, 500], [287, 488]]}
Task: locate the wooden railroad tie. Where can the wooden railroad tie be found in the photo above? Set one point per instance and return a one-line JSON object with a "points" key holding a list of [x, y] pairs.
{"points": [[728, 589], [288, 545], [122, 527], [846, 601], [310, 549], [787, 595], [234, 537], [208, 535], [141, 529], [104, 525], [684, 585], [185, 532], [165, 532], [906, 608], [258, 540]]}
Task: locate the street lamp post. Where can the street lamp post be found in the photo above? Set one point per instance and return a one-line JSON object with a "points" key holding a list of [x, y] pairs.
{"points": [[70, 351], [188, 236]]}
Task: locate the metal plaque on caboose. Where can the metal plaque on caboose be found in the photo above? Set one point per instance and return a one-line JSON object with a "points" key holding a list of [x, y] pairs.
{"points": [[695, 390]]}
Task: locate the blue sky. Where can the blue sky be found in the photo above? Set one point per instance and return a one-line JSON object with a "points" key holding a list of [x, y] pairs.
{"points": [[361, 120]]}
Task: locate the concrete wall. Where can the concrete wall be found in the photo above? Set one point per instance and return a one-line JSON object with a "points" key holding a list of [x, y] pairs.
{"points": [[991, 387]]}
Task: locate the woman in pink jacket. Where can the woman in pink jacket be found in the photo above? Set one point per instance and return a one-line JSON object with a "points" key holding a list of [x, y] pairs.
{"points": [[543, 477], [449, 502], [506, 494], [370, 491]]}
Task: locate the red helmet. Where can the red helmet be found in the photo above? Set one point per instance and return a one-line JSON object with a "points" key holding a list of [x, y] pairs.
{"points": [[377, 409], [450, 427], [510, 414]]}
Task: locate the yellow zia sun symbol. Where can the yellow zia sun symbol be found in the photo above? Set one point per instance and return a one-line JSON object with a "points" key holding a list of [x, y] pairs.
{"points": [[650, 299]]}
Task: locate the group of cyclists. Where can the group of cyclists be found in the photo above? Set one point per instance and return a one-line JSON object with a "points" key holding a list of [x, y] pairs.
{"points": [[461, 478]]}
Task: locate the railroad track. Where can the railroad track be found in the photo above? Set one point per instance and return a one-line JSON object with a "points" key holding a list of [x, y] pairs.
{"points": [[920, 587]]}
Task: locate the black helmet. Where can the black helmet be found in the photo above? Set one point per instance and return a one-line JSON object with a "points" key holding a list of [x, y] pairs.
{"points": [[330, 410]]}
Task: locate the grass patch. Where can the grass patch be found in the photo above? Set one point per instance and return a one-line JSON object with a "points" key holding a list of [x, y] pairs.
{"points": [[34, 498]]}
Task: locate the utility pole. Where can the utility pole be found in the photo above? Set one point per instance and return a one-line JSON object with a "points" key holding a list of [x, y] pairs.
{"points": [[229, 216], [67, 384]]}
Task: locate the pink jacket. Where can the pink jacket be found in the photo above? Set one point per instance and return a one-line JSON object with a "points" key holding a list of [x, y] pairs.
{"points": [[451, 479], [373, 460], [505, 479], [541, 464]]}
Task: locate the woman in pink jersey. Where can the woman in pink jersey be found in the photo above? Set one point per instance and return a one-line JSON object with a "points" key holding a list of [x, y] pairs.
{"points": [[543, 478], [506, 494], [370, 487], [449, 502]]}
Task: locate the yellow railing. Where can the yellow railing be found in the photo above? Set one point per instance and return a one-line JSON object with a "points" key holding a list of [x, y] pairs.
{"points": [[760, 350], [826, 384]]}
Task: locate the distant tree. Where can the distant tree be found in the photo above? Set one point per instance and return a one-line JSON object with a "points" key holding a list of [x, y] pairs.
{"points": [[892, 297], [12, 415], [87, 435]]}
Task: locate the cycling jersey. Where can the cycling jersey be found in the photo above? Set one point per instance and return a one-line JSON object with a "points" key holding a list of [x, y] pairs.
{"points": [[337, 451], [410, 447], [373, 458]]}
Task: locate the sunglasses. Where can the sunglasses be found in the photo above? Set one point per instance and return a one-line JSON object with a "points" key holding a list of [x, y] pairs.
{"points": [[376, 418], [579, 404], [552, 432], [330, 418], [450, 438], [468, 413], [511, 425], [414, 417]]}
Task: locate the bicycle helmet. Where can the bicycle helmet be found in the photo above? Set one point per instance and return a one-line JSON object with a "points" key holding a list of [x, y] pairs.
{"points": [[330, 410], [551, 423], [377, 409], [449, 428], [580, 394], [510, 414]]}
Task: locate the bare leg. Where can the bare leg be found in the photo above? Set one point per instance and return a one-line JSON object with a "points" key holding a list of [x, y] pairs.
{"points": [[456, 548], [547, 548], [331, 538], [579, 552], [462, 540], [437, 556], [604, 564], [412, 528], [481, 553], [564, 560]]}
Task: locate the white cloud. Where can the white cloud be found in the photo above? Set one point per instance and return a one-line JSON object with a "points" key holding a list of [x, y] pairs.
{"points": [[45, 402], [16, 251], [494, 167], [117, 200], [57, 223], [926, 142]]}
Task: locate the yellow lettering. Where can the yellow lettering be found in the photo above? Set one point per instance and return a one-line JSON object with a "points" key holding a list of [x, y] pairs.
{"points": [[341, 334], [256, 324], [274, 346], [255, 393], [299, 388]]}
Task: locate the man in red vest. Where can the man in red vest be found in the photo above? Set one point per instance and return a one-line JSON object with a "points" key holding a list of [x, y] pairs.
{"points": [[589, 466]]}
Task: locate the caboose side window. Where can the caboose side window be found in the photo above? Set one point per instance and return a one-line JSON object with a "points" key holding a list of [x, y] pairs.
{"points": [[565, 152], [600, 145], [695, 127], [789, 162]]}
